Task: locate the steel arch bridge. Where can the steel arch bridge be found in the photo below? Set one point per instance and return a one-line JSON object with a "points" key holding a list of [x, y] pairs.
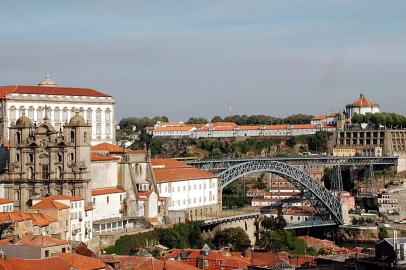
{"points": [[325, 203]]}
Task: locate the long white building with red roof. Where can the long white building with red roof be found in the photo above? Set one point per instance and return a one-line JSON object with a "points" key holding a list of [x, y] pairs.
{"points": [[232, 130], [61, 103]]}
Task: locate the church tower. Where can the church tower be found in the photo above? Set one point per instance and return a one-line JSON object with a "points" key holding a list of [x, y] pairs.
{"points": [[77, 134]]}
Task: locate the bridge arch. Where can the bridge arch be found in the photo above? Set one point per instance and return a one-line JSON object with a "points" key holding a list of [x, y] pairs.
{"points": [[322, 199]]}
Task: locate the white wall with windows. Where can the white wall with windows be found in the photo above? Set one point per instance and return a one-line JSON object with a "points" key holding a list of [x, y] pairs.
{"points": [[187, 194], [99, 111], [106, 206]]}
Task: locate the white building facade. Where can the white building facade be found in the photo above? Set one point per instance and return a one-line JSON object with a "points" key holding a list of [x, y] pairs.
{"points": [[107, 203], [187, 189], [60, 103]]}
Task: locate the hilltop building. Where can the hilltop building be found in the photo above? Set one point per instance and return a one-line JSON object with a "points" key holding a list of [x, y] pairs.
{"points": [[62, 102], [361, 106]]}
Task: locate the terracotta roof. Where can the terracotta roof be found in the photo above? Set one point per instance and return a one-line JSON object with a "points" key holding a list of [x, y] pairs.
{"points": [[4, 201], [11, 217], [41, 219], [42, 264], [146, 263], [49, 204], [363, 102], [104, 191], [224, 124], [144, 193], [276, 127], [113, 148], [169, 163], [55, 90], [98, 157], [35, 240], [181, 128], [82, 262], [179, 174], [62, 197]]}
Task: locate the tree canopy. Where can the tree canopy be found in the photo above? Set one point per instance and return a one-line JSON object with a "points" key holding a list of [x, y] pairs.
{"points": [[236, 238], [386, 119]]}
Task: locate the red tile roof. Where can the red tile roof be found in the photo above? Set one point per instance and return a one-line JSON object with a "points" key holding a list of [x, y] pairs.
{"points": [[98, 157], [62, 197], [35, 240], [363, 102], [104, 191], [181, 128], [42, 264], [11, 217], [113, 148], [41, 219], [4, 201], [146, 263], [55, 90], [169, 163], [82, 262], [171, 175], [49, 204]]}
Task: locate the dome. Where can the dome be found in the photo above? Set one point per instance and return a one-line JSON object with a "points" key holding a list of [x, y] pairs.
{"points": [[77, 120], [47, 81], [362, 101], [23, 121]]}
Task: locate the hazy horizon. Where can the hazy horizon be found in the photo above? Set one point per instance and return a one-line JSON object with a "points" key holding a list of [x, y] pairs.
{"points": [[194, 58]]}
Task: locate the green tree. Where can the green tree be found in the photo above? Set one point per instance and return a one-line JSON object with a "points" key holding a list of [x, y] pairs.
{"points": [[197, 120], [236, 238], [271, 240], [216, 119]]}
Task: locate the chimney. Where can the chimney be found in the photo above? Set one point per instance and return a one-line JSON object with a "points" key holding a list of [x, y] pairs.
{"points": [[16, 239]]}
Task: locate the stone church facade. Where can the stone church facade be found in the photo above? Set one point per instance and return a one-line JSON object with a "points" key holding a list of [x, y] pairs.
{"points": [[44, 160]]}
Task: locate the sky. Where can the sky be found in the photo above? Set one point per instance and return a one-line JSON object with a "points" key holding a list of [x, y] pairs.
{"points": [[195, 58]]}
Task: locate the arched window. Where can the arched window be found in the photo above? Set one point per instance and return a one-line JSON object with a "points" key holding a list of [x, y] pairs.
{"points": [[81, 111], [21, 110], [72, 136], [17, 195]]}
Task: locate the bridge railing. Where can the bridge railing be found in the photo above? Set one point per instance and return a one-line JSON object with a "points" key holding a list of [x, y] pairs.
{"points": [[214, 215]]}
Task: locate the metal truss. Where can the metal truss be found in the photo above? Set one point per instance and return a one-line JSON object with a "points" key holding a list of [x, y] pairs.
{"points": [[337, 181], [322, 200], [221, 165]]}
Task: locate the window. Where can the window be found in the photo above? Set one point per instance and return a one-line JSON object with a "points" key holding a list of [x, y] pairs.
{"points": [[45, 172], [94, 201], [57, 114], [72, 157], [108, 199], [98, 129], [107, 115], [31, 113], [108, 129], [59, 172], [17, 157], [46, 253], [72, 136], [40, 114], [98, 115], [65, 114], [30, 173], [13, 114], [89, 115], [85, 137], [31, 157], [59, 157]]}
